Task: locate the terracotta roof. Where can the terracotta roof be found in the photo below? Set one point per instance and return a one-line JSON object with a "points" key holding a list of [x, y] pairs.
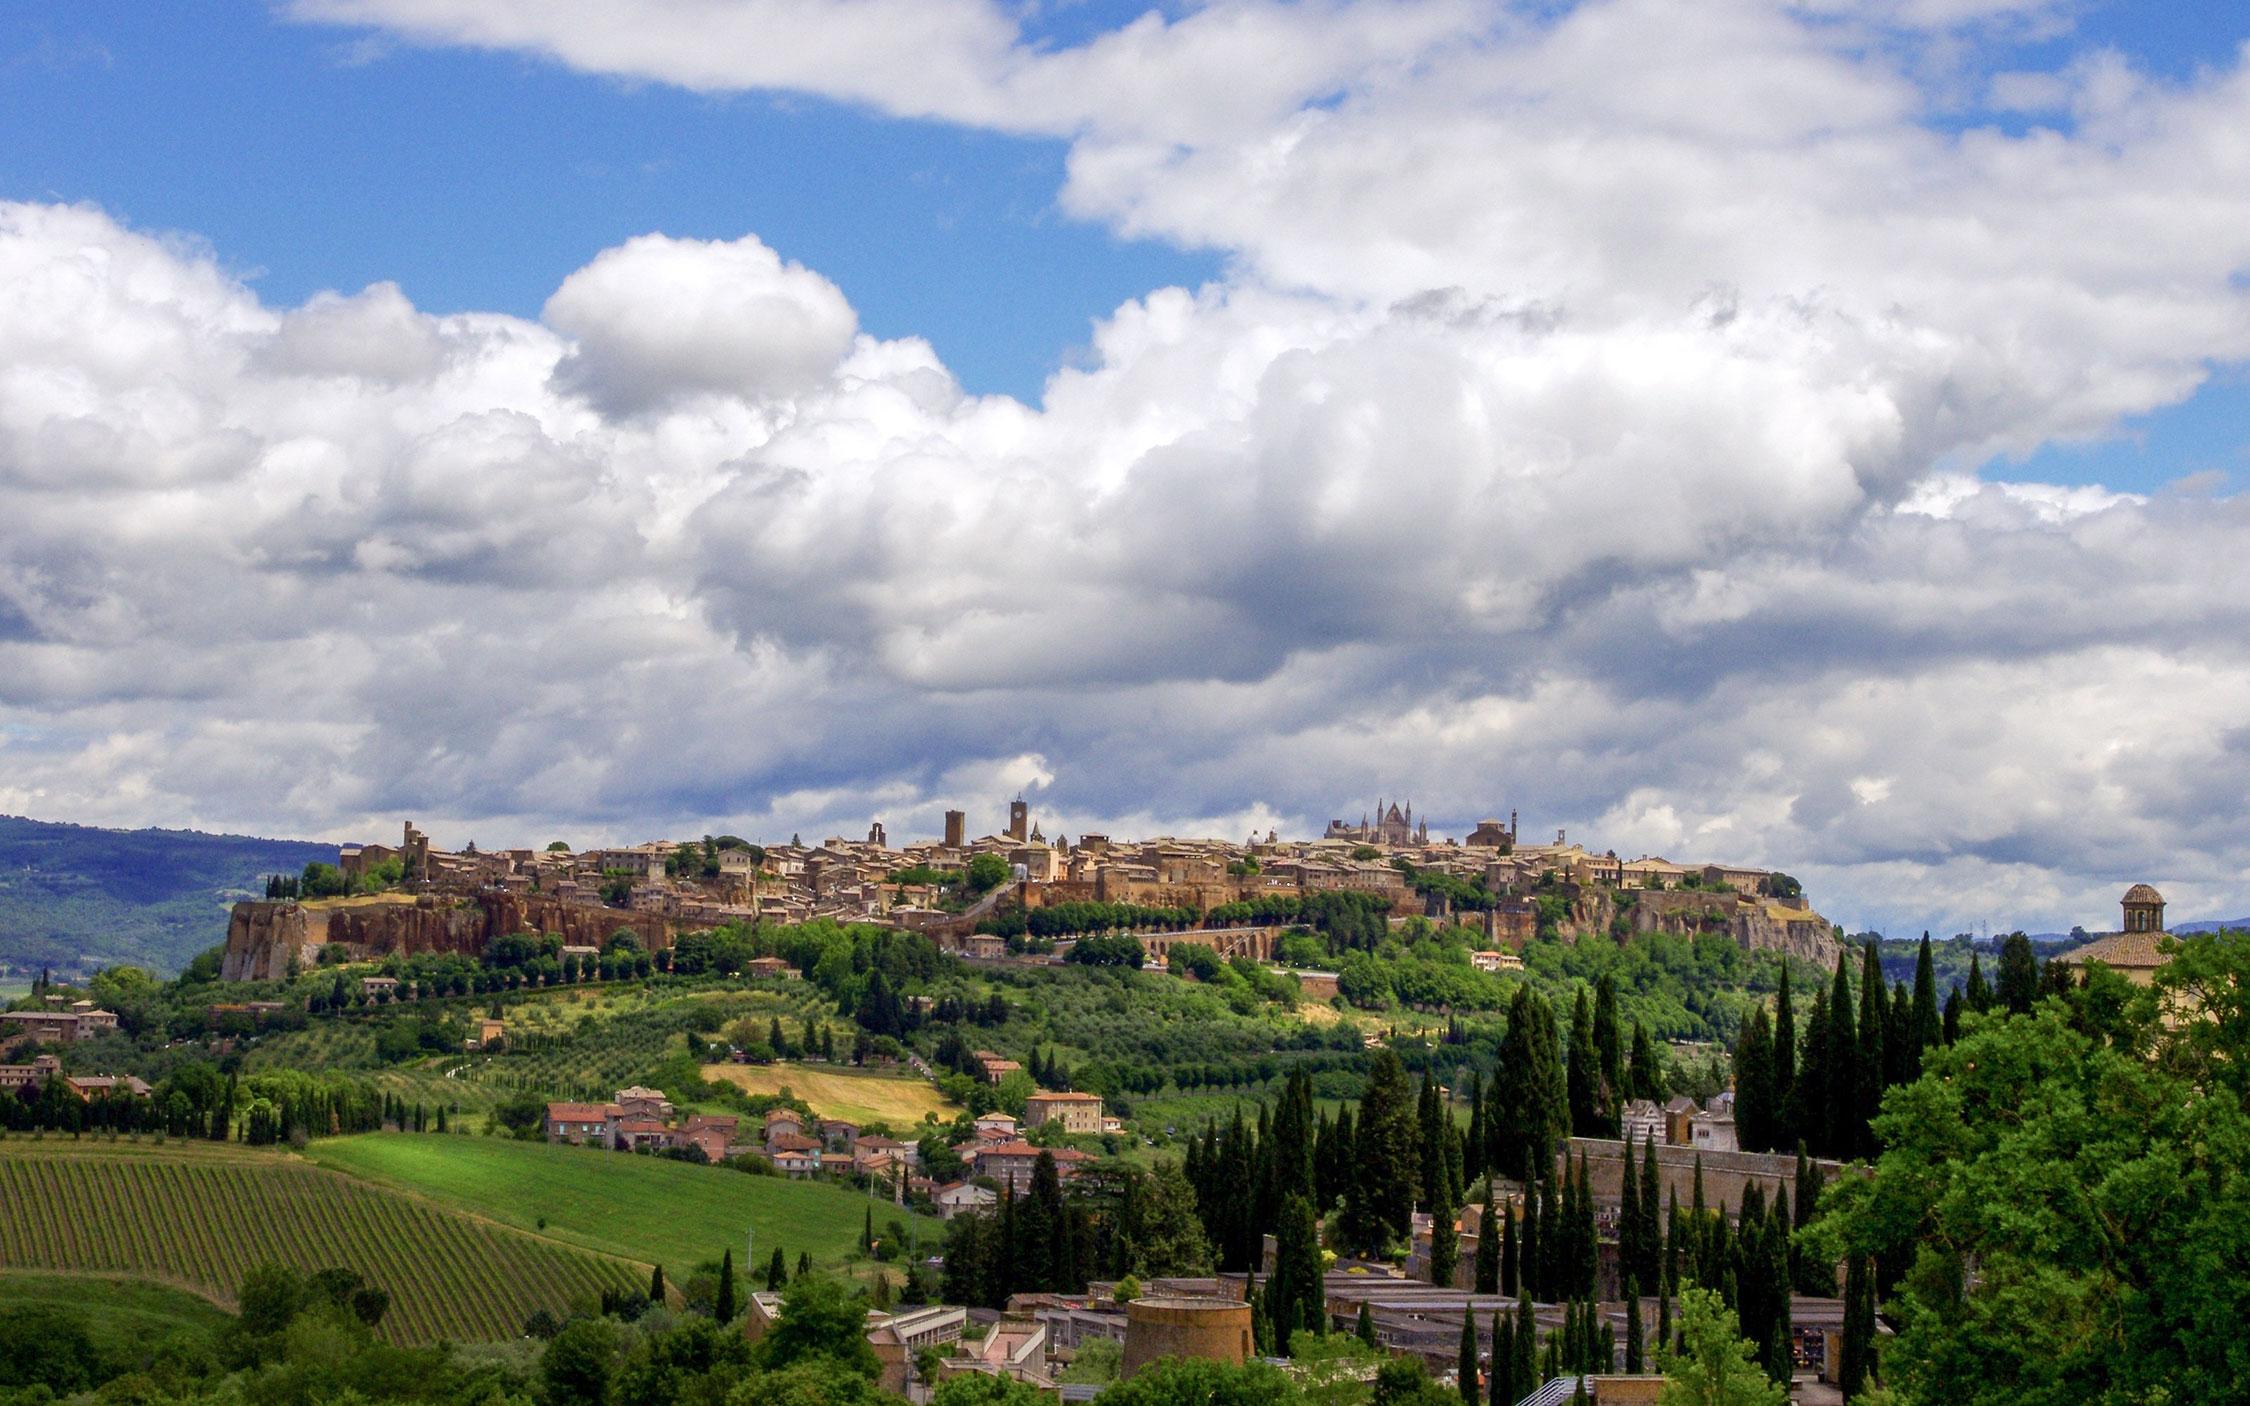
{"points": [[1066, 1098], [580, 1112], [2121, 950]]}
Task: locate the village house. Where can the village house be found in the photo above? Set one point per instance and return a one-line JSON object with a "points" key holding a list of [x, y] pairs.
{"points": [[996, 1127], [1078, 1113], [838, 1132], [583, 1123], [486, 1034], [1713, 1132], [1496, 961], [994, 1067], [1011, 1163], [759, 968]]}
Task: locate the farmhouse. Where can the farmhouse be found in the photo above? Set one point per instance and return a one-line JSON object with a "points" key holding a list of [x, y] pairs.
{"points": [[1078, 1113], [583, 1123], [81, 1021]]}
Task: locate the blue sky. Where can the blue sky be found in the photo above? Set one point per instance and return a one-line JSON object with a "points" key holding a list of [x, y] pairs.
{"points": [[312, 159], [1555, 433]]}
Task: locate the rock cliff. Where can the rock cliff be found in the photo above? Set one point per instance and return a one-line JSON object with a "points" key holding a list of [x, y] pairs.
{"points": [[1756, 925], [263, 937]]}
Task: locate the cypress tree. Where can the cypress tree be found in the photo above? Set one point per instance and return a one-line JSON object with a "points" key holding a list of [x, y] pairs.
{"points": [[724, 1309], [1467, 1365], [1949, 1028], [777, 1273], [1857, 1360], [1902, 1058], [1652, 1242], [1509, 1260], [1583, 1081], [656, 1284], [1445, 1245], [1366, 1325], [1663, 1321], [2018, 984], [1629, 1212], [1500, 1381], [1488, 1244], [1808, 1112], [1527, 1349], [1927, 1027], [1527, 1245], [1644, 1075], [1979, 996], [1754, 1083], [1874, 1015], [1784, 1063], [804, 1263], [1844, 1081], [1295, 1297], [1381, 1206], [1609, 1045], [1430, 1122], [1635, 1349]]}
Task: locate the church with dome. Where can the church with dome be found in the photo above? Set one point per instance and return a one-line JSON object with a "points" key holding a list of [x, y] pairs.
{"points": [[2132, 951]]}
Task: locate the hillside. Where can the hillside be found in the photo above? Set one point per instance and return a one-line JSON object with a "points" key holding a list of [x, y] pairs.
{"points": [[646, 1209], [197, 1215], [75, 897]]}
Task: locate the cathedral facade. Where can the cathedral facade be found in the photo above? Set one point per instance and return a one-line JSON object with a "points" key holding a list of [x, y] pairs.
{"points": [[1391, 826]]}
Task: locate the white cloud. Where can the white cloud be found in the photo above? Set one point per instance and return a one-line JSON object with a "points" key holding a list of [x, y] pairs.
{"points": [[1588, 425]]}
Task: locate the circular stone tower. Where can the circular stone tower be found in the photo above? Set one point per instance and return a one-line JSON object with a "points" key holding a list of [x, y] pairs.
{"points": [[1185, 1327]]}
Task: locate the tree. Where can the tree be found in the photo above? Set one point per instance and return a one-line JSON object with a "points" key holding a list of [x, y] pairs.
{"points": [[1755, 1115], [1164, 1235], [1635, 1348], [2090, 1163], [977, 1389], [2018, 984], [1858, 1364], [1197, 1381], [1380, 1208], [1714, 1366], [1295, 1298], [820, 1318], [1975, 994], [1465, 1365], [1583, 1080], [1489, 1236], [42, 1347], [725, 1306], [777, 1272], [1645, 1075], [1846, 1116], [1609, 1045], [577, 1364], [1445, 1243], [656, 1284], [1366, 1329], [1928, 1023]]}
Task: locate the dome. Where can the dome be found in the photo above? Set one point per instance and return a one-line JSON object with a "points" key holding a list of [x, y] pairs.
{"points": [[2142, 893]]}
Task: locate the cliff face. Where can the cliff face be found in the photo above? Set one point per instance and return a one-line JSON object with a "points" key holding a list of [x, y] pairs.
{"points": [[1755, 924], [263, 936], [261, 939]]}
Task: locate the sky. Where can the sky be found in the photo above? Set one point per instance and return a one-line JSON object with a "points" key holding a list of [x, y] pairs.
{"points": [[1803, 434]]}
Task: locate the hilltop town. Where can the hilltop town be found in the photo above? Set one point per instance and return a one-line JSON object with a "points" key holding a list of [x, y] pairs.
{"points": [[985, 896]]}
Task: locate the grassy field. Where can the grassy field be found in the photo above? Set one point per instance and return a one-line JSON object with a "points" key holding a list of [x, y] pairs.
{"points": [[647, 1209], [196, 1216], [126, 1317], [902, 1101]]}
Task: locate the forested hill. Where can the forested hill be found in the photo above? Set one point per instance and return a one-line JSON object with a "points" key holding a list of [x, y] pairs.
{"points": [[74, 897]]}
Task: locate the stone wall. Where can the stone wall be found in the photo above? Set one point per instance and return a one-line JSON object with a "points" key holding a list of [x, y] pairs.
{"points": [[1726, 1175]]}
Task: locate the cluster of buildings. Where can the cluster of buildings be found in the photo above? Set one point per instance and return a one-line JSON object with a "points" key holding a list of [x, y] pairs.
{"points": [[17, 1078], [638, 1120], [867, 880], [59, 1022]]}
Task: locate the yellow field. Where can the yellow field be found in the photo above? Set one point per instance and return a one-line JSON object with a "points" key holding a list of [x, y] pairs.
{"points": [[899, 1100]]}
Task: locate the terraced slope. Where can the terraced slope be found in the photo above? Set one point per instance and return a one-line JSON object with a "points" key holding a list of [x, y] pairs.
{"points": [[198, 1215]]}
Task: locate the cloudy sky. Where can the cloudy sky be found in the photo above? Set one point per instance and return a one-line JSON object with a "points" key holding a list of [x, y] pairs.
{"points": [[1808, 434]]}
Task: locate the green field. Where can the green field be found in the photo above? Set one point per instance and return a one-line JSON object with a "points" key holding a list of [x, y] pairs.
{"points": [[126, 1317], [648, 1209], [198, 1215]]}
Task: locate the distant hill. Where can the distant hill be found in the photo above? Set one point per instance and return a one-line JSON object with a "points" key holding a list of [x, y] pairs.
{"points": [[75, 897], [2214, 925]]}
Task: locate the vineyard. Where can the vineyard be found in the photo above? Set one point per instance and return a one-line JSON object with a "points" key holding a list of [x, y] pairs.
{"points": [[648, 1209], [199, 1215]]}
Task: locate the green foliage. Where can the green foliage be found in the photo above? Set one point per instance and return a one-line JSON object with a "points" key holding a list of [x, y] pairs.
{"points": [[2091, 1160], [986, 872], [821, 1319], [1714, 1366]]}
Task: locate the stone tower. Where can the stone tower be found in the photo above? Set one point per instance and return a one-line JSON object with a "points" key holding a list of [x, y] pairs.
{"points": [[2144, 909], [956, 829], [1019, 819]]}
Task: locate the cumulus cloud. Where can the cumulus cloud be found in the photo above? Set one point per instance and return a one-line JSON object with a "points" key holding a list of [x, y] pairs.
{"points": [[1590, 424], [658, 318]]}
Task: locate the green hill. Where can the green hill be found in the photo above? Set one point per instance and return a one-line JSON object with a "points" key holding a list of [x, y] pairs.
{"points": [[196, 1216], [73, 897], [649, 1209]]}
